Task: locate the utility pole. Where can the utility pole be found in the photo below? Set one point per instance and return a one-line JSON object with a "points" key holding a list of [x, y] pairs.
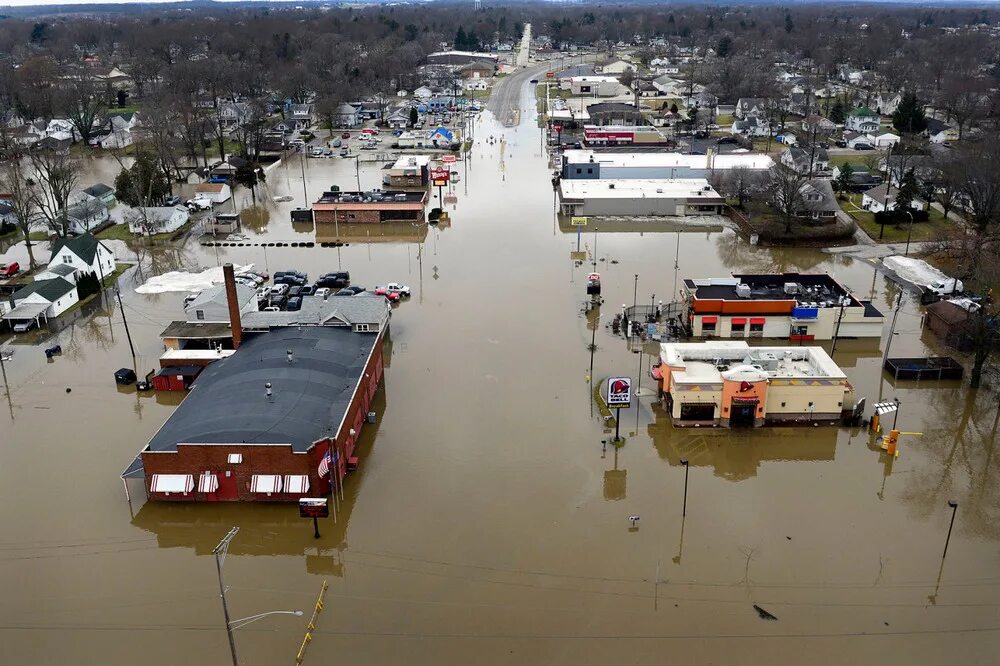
{"points": [[635, 304], [836, 332], [888, 184], [892, 327], [125, 321], [220, 558]]}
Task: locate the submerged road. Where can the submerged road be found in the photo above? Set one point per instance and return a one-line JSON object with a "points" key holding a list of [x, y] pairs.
{"points": [[505, 102]]}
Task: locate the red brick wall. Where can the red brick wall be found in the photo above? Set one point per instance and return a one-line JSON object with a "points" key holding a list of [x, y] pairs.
{"points": [[267, 459]]}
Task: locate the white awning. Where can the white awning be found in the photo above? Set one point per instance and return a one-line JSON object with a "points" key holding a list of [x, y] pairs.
{"points": [[297, 484], [172, 483], [265, 483], [208, 482], [27, 311]]}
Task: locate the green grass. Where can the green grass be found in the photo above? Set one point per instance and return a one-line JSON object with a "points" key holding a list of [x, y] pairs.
{"points": [[38, 236], [841, 160], [724, 119], [116, 232], [936, 227], [481, 95]]}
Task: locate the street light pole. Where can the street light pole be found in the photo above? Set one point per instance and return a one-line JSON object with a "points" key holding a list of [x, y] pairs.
{"points": [[687, 468], [954, 507], [220, 557], [909, 233]]}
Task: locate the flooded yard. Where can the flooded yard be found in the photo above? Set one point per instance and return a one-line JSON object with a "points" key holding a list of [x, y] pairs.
{"points": [[486, 520]]}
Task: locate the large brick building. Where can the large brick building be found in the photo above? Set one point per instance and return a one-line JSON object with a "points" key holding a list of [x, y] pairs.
{"points": [[258, 425], [369, 207]]}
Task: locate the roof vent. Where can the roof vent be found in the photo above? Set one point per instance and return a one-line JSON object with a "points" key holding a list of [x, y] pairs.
{"points": [[289, 355], [743, 290], [267, 390]]}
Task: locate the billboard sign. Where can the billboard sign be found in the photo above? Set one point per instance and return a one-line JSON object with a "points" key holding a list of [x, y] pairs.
{"points": [[619, 392], [578, 221], [440, 177], [313, 507]]}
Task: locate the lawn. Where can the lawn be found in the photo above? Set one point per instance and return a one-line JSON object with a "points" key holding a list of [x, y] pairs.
{"points": [[480, 94], [933, 229], [847, 158], [116, 232], [724, 119]]}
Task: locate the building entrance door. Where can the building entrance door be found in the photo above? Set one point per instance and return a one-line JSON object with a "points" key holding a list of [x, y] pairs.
{"points": [[742, 414]]}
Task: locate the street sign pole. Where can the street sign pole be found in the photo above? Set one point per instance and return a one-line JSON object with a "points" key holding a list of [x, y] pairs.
{"points": [[618, 420]]}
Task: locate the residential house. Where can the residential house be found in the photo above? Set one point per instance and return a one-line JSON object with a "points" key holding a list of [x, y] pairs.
{"points": [[369, 110], [423, 92], [476, 84], [87, 214], [346, 116], [53, 271], [212, 306], [62, 130], [156, 219], [862, 120], [883, 198], [806, 160], [788, 138], [817, 201], [49, 297], [822, 126], [747, 107], [103, 192], [860, 179], [300, 115], [800, 103], [940, 132], [85, 253], [27, 134], [886, 103], [752, 126], [233, 114], [398, 118], [215, 192], [52, 144], [116, 79]]}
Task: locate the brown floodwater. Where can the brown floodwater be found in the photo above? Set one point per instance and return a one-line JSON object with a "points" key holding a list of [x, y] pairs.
{"points": [[486, 521]]}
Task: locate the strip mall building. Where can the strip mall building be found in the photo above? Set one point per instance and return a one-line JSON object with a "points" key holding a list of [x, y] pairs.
{"points": [[729, 383], [785, 305]]}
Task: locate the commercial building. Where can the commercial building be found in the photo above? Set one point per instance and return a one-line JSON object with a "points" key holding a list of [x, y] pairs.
{"points": [[408, 171], [461, 58], [638, 198], [730, 384], [623, 135], [598, 86], [591, 165], [259, 424], [369, 207], [795, 306]]}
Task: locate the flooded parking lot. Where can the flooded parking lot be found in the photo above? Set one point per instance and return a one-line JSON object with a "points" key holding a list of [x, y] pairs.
{"points": [[486, 520]]}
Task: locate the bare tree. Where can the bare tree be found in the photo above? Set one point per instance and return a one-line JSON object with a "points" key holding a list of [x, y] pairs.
{"points": [[83, 104], [784, 190], [20, 189], [56, 175]]}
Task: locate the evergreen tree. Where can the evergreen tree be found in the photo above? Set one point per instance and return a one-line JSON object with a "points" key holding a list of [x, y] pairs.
{"points": [[460, 39], [843, 182], [907, 192], [838, 113], [909, 116], [142, 184], [414, 116], [724, 47], [789, 26]]}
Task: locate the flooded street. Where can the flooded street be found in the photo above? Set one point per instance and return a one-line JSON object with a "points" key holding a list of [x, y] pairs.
{"points": [[485, 521]]}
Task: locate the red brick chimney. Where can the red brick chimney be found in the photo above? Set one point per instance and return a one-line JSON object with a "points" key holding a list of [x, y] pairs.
{"points": [[234, 305]]}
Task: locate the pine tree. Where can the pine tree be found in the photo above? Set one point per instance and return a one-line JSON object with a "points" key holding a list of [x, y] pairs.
{"points": [[843, 182], [907, 192], [909, 116], [724, 47]]}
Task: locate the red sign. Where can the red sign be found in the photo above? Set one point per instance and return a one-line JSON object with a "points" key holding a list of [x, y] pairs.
{"points": [[550, 75], [440, 176], [313, 507], [449, 159], [557, 128]]}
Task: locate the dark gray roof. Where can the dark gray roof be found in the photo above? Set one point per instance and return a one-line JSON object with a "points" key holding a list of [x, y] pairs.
{"points": [[83, 246], [196, 331], [61, 269], [98, 190], [365, 308], [310, 395], [50, 290]]}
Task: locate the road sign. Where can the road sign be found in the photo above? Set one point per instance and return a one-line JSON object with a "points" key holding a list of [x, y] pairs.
{"points": [[449, 159], [578, 221], [313, 507], [619, 392], [557, 128], [550, 75]]}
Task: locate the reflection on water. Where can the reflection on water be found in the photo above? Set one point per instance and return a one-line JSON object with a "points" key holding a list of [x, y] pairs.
{"points": [[384, 232], [737, 454], [255, 219]]}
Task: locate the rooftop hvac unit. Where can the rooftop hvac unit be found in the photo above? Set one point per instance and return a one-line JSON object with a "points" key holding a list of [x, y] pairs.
{"points": [[791, 287], [611, 186], [659, 191], [743, 290]]}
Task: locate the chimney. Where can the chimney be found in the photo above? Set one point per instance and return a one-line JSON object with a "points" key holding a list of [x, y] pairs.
{"points": [[234, 305]]}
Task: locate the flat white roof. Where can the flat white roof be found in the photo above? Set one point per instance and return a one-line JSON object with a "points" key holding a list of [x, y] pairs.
{"points": [[670, 160], [195, 354], [700, 360], [411, 161], [636, 188], [594, 79]]}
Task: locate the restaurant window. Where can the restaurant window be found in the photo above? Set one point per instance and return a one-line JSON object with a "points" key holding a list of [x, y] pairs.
{"points": [[708, 325], [756, 327], [739, 327]]}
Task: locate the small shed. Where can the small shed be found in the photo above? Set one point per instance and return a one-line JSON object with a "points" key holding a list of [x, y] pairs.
{"points": [[947, 320], [176, 378]]}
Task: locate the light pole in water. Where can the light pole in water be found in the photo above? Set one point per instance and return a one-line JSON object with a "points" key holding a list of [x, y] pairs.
{"points": [[687, 468], [954, 507]]}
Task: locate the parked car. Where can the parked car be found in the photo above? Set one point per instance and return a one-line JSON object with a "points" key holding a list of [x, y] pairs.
{"points": [[304, 276], [199, 203], [263, 293], [727, 139], [840, 143], [246, 282], [294, 291], [294, 303], [307, 290], [279, 301], [322, 292], [172, 200], [9, 270], [252, 277], [23, 326], [271, 308], [315, 152], [345, 135], [345, 151], [336, 143], [280, 289], [350, 291], [401, 289]]}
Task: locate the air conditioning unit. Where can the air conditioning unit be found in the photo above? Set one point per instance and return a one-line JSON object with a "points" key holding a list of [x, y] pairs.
{"points": [[791, 287], [743, 290]]}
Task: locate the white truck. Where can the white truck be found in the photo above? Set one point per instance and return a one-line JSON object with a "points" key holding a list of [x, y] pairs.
{"points": [[933, 284], [393, 288]]}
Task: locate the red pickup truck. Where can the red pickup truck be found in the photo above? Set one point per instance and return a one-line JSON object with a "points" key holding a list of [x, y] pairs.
{"points": [[9, 270]]}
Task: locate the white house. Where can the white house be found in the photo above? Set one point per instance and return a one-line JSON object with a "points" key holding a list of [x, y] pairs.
{"points": [[346, 115], [423, 92], [750, 106], [215, 192], [61, 129], [233, 113], [886, 103], [59, 294], [862, 120], [618, 67], [157, 220], [85, 215], [875, 200], [940, 132], [751, 126], [84, 253]]}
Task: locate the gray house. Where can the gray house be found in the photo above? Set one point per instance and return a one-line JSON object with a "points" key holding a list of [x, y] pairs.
{"points": [[210, 306]]}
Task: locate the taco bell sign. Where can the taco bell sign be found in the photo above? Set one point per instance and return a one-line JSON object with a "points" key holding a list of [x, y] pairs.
{"points": [[619, 392]]}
